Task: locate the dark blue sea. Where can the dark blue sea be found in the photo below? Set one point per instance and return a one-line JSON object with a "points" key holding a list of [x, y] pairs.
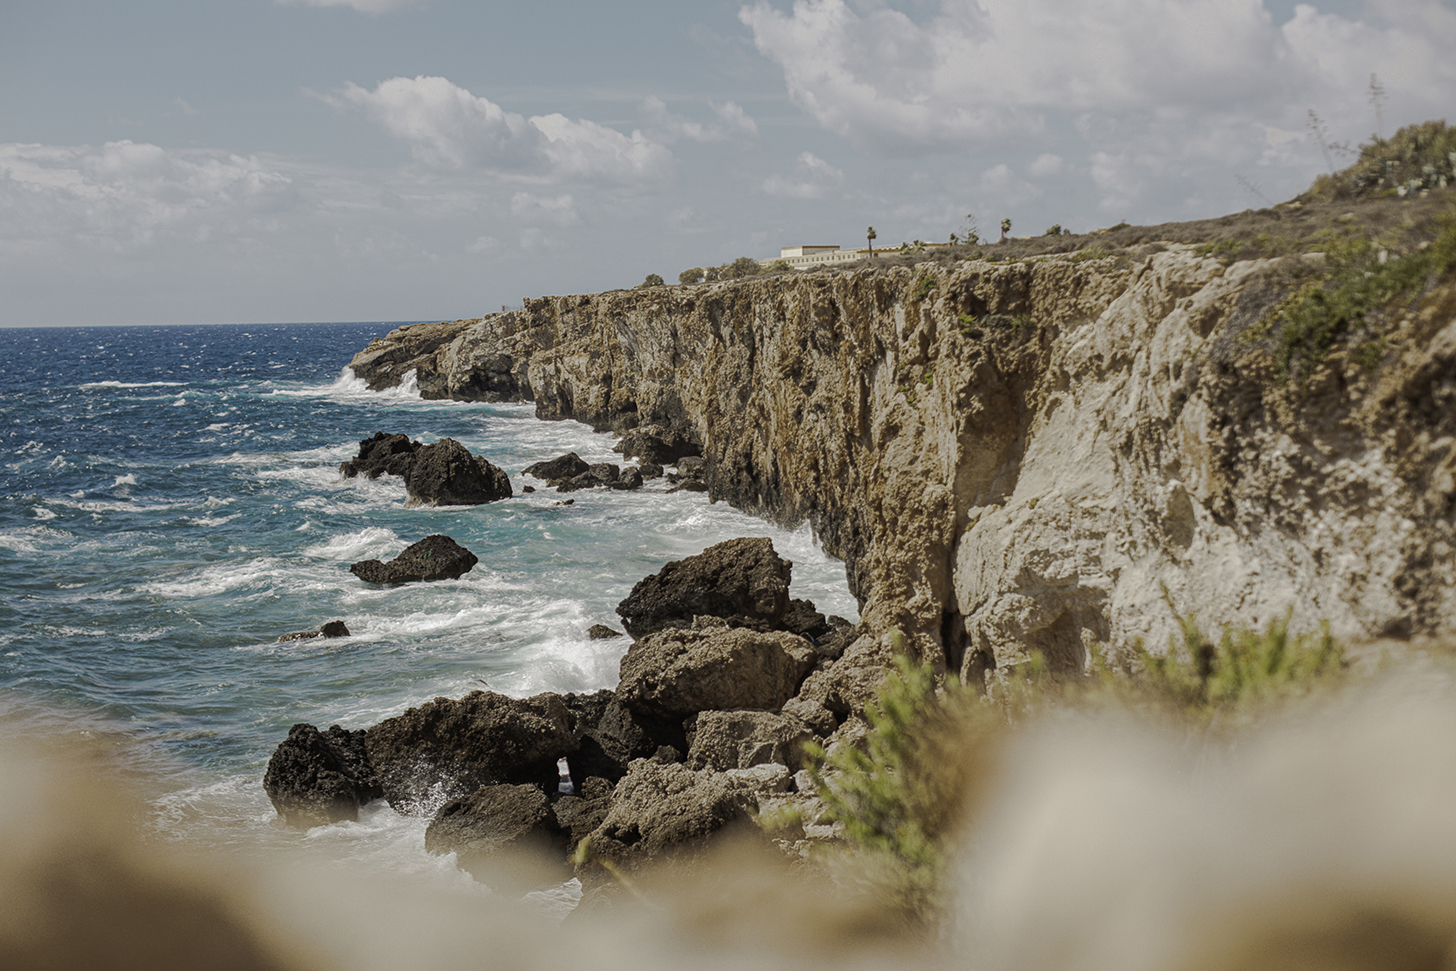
{"points": [[172, 504]]}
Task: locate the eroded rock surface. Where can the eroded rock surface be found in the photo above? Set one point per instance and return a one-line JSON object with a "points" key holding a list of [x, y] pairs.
{"points": [[742, 580], [315, 778], [1018, 456], [443, 473], [506, 836], [450, 748], [676, 673]]}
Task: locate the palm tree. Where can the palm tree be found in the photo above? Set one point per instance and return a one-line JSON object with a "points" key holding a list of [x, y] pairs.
{"points": [[871, 236]]}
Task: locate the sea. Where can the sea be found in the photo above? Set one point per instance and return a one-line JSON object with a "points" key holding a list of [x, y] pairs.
{"points": [[172, 504]]}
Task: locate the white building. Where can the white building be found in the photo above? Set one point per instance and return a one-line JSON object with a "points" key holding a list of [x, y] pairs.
{"points": [[803, 257]]}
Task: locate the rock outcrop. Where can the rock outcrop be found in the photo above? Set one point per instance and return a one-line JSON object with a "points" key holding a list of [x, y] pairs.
{"points": [[676, 673], [443, 473], [742, 581], [436, 557], [1018, 456], [334, 628], [452, 748], [315, 777]]}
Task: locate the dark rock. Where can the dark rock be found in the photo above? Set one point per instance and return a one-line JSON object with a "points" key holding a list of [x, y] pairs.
{"points": [[580, 814], [529, 488], [383, 453], [661, 811], [447, 474], [602, 474], [676, 673], [317, 777], [742, 580], [436, 557], [689, 485], [609, 737], [459, 746], [691, 469], [503, 835], [801, 618], [742, 739], [630, 478], [442, 474], [657, 444], [601, 632], [565, 502], [649, 470], [334, 628], [558, 470]]}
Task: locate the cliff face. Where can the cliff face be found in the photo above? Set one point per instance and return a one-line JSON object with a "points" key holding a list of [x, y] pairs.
{"points": [[1033, 479]]}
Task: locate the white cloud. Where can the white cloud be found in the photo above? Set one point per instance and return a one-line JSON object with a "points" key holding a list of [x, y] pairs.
{"points": [[186, 108], [1173, 89], [448, 127], [1044, 165], [812, 178], [484, 244], [732, 120], [363, 6], [560, 210], [126, 196]]}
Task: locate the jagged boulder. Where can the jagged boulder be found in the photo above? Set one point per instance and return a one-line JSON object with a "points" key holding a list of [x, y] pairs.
{"points": [[662, 810], [384, 453], [455, 747], [676, 673], [447, 474], [602, 475], [444, 473], [315, 778], [610, 736], [506, 836], [558, 470], [657, 444], [436, 557], [843, 687], [601, 632], [742, 739], [742, 580]]}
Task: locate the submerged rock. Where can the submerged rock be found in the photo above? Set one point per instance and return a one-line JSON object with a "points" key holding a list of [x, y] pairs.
{"points": [[601, 632], [449, 747], [743, 581], [334, 628], [436, 557], [315, 778]]}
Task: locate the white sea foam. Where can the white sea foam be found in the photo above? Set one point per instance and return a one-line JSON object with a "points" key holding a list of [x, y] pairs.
{"points": [[124, 480], [42, 513], [33, 539], [371, 541], [213, 580], [138, 384]]}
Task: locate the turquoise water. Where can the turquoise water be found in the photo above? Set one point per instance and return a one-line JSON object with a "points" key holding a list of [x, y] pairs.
{"points": [[172, 503]]}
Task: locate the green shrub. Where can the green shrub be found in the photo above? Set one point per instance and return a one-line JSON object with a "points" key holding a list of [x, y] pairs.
{"points": [[923, 287], [1308, 322], [695, 275], [653, 280], [901, 797]]}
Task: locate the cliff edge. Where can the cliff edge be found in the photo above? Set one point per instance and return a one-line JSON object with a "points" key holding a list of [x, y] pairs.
{"points": [[1023, 455]]}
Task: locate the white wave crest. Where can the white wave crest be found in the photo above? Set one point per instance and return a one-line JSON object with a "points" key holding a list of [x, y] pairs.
{"points": [[124, 480], [370, 540], [142, 384]]}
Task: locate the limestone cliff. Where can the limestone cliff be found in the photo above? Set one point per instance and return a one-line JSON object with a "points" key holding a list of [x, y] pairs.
{"points": [[1032, 478]]}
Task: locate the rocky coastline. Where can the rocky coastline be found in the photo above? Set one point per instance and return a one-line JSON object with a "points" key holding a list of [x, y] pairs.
{"points": [[726, 679], [1025, 455]]}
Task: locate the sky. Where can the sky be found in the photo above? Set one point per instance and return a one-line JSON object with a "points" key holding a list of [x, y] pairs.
{"points": [[247, 161]]}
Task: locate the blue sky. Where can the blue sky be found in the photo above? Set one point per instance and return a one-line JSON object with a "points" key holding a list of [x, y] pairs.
{"points": [[169, 161]]}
